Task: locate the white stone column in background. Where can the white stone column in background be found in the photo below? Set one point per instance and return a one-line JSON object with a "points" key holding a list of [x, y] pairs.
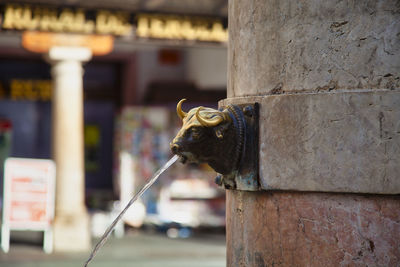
{"points": [[71, 225]]}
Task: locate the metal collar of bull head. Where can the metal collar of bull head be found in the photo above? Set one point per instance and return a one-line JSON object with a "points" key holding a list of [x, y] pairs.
{"points": [[226, 139]]}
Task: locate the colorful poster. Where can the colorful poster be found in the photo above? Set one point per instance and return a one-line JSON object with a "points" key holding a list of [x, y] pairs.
{"points": [[143, 136]]}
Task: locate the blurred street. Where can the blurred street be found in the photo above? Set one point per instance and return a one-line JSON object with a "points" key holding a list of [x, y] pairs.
{"points": [[135, 249]]}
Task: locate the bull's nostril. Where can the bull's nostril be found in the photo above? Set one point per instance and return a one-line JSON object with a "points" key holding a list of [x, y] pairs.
{"points": [[174, 148]]}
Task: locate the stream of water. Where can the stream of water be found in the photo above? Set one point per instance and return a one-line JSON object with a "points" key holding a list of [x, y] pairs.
{"points": [[134, 198]]}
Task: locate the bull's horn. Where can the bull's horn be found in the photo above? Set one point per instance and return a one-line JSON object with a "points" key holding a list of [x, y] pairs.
{"points": [[179, 110], [209, 122]]}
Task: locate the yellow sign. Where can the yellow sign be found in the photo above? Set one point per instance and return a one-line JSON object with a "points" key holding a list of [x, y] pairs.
{"points": [[20, 17], [30, 90], [174, 27], [115, 23]]}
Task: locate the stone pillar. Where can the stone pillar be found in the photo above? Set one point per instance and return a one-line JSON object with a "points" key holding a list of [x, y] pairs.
{"points": [[327, 77], [71, 225]]}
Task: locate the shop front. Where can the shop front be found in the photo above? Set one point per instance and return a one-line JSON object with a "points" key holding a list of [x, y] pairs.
{"points": [[69, 75]]}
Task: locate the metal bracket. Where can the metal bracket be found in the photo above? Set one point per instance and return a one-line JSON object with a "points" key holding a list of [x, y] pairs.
{"points": [[246, 176]]}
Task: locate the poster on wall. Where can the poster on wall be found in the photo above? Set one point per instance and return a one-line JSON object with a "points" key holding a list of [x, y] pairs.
{"points": [[143, 147], [185, 195], [28, 199]]}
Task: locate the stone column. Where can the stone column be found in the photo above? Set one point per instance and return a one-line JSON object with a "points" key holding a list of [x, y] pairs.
{"points": [[71, 225], [327, 77]]}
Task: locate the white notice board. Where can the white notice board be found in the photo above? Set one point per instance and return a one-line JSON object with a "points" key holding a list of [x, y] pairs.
{"points": [[28, 198]]}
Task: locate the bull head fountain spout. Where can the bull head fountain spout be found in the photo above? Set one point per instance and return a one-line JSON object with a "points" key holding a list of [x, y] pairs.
{"points": [[226, 139]]}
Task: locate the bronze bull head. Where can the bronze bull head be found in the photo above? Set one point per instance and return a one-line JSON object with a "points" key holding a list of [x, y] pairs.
{"points": [[204, 137], [215, 137]]}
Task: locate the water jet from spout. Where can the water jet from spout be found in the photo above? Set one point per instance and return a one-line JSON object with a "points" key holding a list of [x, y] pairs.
{"points": [[134, 198]]}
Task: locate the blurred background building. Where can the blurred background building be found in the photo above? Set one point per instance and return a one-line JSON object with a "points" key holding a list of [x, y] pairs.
{"points": [[139, 58]]}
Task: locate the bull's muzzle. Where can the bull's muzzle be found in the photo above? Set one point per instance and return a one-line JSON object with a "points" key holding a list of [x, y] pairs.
{"points": [[175, 148]]}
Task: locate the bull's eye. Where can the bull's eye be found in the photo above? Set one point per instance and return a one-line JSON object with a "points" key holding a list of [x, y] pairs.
{"points": [[196, 133]]}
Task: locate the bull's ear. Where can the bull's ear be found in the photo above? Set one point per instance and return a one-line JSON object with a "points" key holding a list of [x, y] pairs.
{"points": [[220, 131]]}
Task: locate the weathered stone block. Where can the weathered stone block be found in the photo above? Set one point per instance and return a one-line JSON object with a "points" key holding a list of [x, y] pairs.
{"points": [[279, 46], [312, 229], [332, 142]]}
